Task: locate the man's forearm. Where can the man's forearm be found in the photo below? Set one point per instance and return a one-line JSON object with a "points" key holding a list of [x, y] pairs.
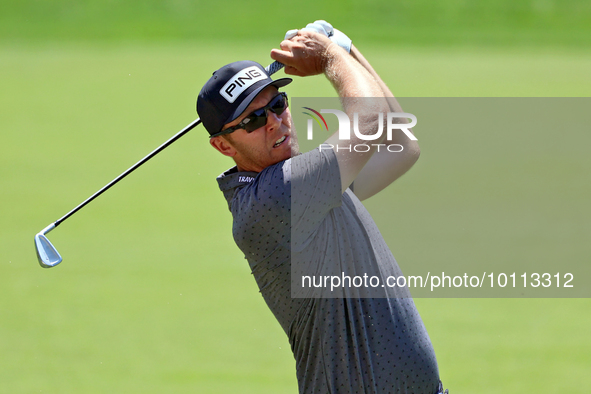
{"points": [[393, 103], [349, 77], [352, 80], [309, 53], [384, 167]]}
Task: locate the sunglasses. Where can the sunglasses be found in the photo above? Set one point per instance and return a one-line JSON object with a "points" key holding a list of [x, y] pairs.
{"points": [[258, 118]]}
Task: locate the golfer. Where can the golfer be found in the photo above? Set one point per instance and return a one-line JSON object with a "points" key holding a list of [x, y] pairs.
{"points": [[285, 204]]}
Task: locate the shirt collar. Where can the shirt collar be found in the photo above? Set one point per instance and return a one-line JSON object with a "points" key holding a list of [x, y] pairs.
{"points": [[232, 178]]}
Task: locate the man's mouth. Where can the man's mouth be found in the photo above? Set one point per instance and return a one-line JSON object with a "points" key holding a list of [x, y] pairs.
{"points": [[280, 141]]}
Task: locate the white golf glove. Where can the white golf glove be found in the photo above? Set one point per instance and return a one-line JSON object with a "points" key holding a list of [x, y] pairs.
{"points": [[325, 28]]}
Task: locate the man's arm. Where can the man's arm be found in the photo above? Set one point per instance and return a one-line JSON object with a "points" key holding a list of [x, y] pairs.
{"points": [[310, 53], [385, 167]]}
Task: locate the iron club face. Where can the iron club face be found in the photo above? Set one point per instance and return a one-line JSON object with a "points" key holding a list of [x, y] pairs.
{"points": [[47, 255]]}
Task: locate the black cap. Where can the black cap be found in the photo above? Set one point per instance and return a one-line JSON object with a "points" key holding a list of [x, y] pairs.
{"points": [[230, 91]]}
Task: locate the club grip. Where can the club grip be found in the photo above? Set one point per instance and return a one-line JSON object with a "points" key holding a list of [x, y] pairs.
{"points": [[274, 67]]}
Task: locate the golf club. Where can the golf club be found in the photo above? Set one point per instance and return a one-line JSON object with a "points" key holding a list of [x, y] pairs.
{"points": [[47, 255]]}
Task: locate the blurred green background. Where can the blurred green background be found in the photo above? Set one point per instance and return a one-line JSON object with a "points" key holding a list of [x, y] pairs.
{"points": [[152, 295]]}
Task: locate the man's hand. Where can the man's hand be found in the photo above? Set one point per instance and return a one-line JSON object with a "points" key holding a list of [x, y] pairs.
{"points": [[306, 53], [326, 29]]}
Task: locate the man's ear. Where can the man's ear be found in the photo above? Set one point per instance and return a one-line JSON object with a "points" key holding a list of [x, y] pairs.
{"points": [[223, 146]]}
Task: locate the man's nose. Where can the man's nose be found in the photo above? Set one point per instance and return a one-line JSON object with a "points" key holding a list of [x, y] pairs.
{"points": [[273, 120]]}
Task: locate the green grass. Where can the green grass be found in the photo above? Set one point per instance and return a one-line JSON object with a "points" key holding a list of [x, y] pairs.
{"points": [[154, 297], [420, 22]]}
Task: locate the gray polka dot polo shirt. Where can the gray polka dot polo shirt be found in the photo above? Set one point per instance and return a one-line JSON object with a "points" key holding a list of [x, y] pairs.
{"points": [[290, 220]]}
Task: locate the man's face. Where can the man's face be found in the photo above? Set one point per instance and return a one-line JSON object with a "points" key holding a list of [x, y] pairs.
{"points": [[264, 146]]}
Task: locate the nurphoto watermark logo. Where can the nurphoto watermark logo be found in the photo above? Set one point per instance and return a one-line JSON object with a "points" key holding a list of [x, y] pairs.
{"points": [[344, 131]]}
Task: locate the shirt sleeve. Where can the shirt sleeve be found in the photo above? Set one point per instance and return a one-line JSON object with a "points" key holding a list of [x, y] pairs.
{"points": [[315, 190]]}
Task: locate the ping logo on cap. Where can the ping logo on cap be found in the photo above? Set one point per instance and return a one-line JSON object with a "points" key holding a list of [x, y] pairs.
{"points": [[241, 81]]}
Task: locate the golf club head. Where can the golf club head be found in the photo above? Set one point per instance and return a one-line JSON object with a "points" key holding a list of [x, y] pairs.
{"points": [[47, 255]]}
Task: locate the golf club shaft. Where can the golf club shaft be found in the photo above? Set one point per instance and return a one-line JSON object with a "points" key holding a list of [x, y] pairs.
{"points": [[271, 69], [130, 170]]}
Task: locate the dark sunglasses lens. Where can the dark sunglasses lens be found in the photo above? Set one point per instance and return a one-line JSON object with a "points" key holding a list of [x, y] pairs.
{"points": [[279, 104], [256, 120]]}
